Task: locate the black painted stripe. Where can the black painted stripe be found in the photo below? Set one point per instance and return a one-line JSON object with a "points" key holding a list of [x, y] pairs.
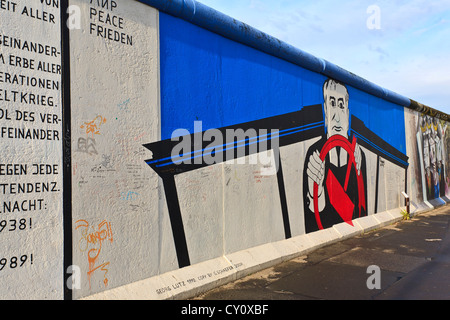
{"points": [[67, 152]]}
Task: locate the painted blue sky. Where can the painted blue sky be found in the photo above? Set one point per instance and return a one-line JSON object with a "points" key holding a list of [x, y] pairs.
{"points": [[408, 54]]}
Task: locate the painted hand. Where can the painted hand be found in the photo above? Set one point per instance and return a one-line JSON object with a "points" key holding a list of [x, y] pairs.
{"points": [[315, 172], [358, 158]]}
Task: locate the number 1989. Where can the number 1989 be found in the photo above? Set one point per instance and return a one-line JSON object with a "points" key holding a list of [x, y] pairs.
{"points": [[15, 262]]}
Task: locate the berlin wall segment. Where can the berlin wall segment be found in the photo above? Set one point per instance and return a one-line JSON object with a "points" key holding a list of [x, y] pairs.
{"points": [[357, 163], [117, 233], [31, 142], [184, 147]]}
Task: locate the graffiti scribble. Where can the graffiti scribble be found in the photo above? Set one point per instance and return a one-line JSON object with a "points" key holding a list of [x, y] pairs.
{"points": [[93, 127], [92, 241]]}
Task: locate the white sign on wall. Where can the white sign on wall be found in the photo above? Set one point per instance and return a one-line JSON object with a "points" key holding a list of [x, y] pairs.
{"points": [[31, 210], [115, 110]]}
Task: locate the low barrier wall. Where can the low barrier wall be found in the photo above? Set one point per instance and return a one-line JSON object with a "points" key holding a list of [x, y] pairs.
{"points": [[155, 149]]}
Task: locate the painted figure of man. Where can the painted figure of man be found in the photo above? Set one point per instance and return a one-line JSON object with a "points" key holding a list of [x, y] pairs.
{"points": [[335, 168], [425, 128]]}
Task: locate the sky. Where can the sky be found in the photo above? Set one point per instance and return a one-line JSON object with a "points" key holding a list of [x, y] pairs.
{"points": [[400, 45]]}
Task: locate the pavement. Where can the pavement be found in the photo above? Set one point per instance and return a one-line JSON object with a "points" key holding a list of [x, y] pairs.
{"points": [[411, 259]]}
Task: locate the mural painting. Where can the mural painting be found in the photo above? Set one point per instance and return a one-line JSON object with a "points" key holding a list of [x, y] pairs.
{"points": [[279, 148], [335, 184], [431, 152], [335, 172]]}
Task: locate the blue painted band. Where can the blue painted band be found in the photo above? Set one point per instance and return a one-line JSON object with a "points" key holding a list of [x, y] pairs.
{"points": [[217, 22]]}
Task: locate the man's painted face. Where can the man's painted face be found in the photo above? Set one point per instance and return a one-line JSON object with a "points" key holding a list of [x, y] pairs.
{"points": [[336, 110]]}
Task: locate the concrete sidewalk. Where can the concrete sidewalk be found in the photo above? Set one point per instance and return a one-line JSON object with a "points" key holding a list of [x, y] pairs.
{"points": [[413, 259]]}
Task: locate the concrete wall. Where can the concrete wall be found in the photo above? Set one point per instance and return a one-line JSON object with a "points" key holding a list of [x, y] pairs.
{"points": [[115, 109], [183, 149], [31, 139]]}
